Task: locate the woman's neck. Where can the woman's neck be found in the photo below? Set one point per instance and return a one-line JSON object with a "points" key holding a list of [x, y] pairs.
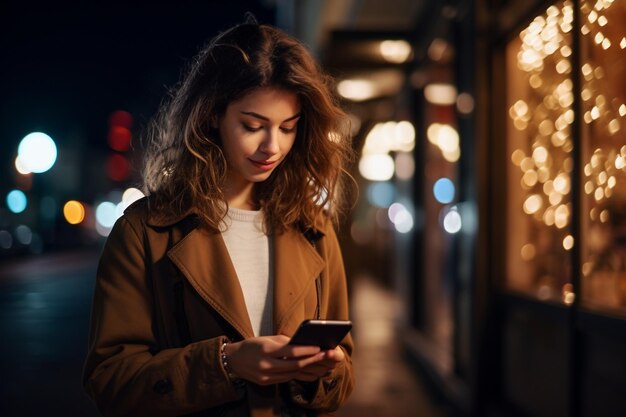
{"points": [[241, 197]]}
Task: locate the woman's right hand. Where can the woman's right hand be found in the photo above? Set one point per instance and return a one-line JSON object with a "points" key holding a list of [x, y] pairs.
{"points": [[270, 360]]}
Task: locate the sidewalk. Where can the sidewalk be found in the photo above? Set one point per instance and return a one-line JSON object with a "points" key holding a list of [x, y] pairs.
{"points": [[385, 384]]}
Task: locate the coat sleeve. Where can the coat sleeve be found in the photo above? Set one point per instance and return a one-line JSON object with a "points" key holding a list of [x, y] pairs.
{"points": [[125, 373], [330, 392]]}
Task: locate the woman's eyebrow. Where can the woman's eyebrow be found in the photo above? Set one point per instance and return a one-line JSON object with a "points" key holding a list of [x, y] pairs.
{"points": [[260, 116]]}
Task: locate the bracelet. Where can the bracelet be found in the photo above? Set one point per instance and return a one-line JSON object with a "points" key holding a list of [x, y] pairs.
{"points": [[224, 359]]}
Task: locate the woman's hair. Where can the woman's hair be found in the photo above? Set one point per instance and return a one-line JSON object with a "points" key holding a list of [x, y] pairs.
{"points": [[185, 167]]}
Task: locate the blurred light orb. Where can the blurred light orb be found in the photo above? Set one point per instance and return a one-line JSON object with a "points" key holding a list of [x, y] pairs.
{"points": [[377, 167], [452, 221], [444, 190], [106, 214], [441, 94], [16, 201], [381, 194], [131, 195], [405, 165], [74, 212], [19, 166], [395, 51], [23, 234], [401, 217], [37, 152], [357, 89]]}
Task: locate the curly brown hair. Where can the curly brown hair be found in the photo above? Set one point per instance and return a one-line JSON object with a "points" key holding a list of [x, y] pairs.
{"points": [[185, 167]]}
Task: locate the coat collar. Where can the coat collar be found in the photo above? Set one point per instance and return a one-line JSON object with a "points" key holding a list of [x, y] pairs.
{"points": [[204, 260]]}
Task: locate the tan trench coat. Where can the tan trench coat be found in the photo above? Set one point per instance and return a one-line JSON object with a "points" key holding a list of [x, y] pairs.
{"points": [[167, 296]]}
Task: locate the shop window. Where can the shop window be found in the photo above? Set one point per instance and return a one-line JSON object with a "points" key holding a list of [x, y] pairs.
{"points": [[540, 96], [603, 180]]}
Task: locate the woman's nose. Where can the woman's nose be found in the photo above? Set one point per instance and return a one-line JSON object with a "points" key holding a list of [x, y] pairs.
{"points": [[269, 145]]}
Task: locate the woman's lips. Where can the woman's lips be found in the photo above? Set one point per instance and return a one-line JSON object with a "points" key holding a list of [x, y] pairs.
{"points": [[264, 165]]}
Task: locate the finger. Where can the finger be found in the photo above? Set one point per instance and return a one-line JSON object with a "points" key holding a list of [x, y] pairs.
{"points": [[295, 351], [291, 365]]}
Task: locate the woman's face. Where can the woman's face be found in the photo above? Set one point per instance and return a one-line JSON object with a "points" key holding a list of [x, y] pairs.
{"points": [[257, 133]]}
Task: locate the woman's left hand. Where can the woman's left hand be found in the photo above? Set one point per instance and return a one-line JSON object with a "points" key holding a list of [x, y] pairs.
{"points": [[325, 366]]}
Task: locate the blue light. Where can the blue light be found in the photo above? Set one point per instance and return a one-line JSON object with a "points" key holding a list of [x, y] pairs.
{"points": [[17, 201], [37, 152], [444, 190], [381, 194]]}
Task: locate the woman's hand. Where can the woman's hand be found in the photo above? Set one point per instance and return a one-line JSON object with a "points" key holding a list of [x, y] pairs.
{"points": [[271, 360]]}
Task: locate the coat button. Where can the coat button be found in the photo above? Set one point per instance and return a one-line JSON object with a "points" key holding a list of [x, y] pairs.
{"points": [[163, 386]]}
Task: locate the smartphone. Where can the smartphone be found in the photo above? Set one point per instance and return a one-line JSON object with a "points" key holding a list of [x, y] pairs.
{"points": [[326, 334]]}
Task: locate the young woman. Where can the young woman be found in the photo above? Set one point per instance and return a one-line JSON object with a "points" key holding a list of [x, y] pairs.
{"points": [[202, 283]]}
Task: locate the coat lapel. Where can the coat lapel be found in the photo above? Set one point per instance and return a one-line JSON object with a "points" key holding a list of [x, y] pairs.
{"points": [[204, 260], [297, 265]]}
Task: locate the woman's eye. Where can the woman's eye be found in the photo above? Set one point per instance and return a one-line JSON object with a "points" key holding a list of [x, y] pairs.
{"points": [[251, 128], [288, 129]]}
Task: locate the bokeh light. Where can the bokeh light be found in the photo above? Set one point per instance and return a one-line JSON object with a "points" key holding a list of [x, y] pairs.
{"points": [[401, 217], [106, 214], [376, 167], [381, 194], [452, 221], [74, 212], [444, 190], [118, 167], [23, 234], [37, 152], [16, 201]]}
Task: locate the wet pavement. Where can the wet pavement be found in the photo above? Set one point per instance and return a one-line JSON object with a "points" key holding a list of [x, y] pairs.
{"points": [[44, 319]]}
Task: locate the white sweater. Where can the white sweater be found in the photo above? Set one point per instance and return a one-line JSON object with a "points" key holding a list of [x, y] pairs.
{"points": [[249, 248]]}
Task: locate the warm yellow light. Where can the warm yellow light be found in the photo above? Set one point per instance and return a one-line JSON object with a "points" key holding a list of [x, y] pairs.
{"points": [[555, 198], [606, 44], [568, 242], [604, 216], [441, 94], [357, 89], [563, 66], [395, 51], [74, 212], [535, 81], [598, 73], [517, 156], [599, 194], [532, 204], [528, 252], [561, 216], [602, 21], [530, 178], [598, 38], [593, 213], [585, 30], [595, 112], [540, 155], [592, 17], [548, 216], [612, 182], [620, 162], [526, 164], [585, 94], [589, 187], [622, 110], [622, 43], [614, 126], [561, 184]]}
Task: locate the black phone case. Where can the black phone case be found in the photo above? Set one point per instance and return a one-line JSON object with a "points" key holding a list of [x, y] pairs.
{"points": [[326, 334]]}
